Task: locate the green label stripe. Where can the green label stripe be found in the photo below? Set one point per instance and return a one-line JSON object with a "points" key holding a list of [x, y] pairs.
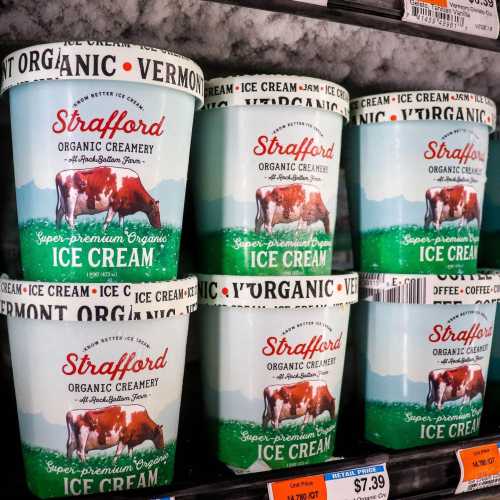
{"points": [[136, 253], [414, 250], [284, 252], [406, 425], [241, 444], [50, 474]]}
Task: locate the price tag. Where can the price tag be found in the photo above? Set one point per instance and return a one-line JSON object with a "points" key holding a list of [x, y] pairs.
{"points": [[302, 488], [474, 17], [361, 482], [479, 467]]}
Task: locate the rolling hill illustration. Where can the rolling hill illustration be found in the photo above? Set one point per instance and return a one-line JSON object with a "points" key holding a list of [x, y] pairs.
{"points": [[34, 202], [395, 388], [228, 212], [383, 213], [37, 431]]}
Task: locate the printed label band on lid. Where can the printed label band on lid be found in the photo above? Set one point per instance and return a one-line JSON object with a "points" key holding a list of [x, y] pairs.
{"points": [[424, 105], [278, 292], [430, 289], [276, 90], [86, 302], [91, 60]]}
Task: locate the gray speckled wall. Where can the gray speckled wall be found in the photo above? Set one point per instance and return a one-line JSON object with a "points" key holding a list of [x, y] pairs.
{"points": [[227, 39]]}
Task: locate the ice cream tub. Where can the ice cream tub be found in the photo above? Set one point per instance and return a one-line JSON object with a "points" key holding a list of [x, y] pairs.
{"points": [[272, 363], [98, 372], [101, 137], [416, 168], [426, 344], [489, 247], [265, 167]]}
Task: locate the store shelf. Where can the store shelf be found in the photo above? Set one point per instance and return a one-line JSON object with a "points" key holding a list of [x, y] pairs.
{"points": [[423, 473], [383, 15]]}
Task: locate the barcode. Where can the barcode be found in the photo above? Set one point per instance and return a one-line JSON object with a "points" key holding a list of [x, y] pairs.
{"points": [[411, 292], [484, 483], [436, 16]]}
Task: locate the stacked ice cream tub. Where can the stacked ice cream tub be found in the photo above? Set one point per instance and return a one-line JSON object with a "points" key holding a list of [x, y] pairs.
{"points": [[265, 167], [101, 137], [416, 166]]}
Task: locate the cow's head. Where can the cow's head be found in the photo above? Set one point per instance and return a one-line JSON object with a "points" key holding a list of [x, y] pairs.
{"points": [[154, 214], [158, 440]]}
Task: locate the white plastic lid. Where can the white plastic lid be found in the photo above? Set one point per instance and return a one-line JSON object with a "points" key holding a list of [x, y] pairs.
{"points": [[91, 60], [86, 302], [276, 90], [424, 105], [275, 292], [430, 289]]}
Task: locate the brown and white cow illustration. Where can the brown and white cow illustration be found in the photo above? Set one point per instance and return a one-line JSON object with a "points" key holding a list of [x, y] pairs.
{"points": [[290, 203], [118, 425], [451, 203], [464, 382], [103, 189], [307, 399]]}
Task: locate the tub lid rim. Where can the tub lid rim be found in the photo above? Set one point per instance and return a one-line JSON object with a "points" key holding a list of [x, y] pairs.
{"points": [[133, 63], [389, 108], [278, 292], [319, 95], [419, 289], [83, 302]]}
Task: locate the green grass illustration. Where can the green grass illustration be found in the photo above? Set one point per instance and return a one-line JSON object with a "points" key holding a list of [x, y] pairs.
{"points": [[398, 425], [38, 259], [237, 442], [229, 252], [46, 470], [397, 250]]}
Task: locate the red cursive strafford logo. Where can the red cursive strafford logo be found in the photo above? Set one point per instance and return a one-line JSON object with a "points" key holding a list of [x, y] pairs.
{"points": [[440, 333], [127, 363], [117, 121], [436, 150], [299, 151], [279, 346]]}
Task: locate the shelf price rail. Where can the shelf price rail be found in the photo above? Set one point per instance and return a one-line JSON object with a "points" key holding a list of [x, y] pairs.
{"points": [[422, 473], [358, 13]]}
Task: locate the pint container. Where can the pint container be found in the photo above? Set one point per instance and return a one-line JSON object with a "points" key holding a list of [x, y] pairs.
{"points": [[272, 363], [265, 167], [416, 166], [426, 348], [98, 381], [101, 136]]}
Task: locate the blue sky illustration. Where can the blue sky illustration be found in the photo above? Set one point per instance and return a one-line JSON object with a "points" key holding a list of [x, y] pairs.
{"points": [[33, 202]]}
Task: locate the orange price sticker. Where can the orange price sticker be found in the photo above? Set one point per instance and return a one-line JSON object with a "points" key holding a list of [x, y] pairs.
{"points": [[479, 467], [480, 461], [439, 3], [301, 488]]}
